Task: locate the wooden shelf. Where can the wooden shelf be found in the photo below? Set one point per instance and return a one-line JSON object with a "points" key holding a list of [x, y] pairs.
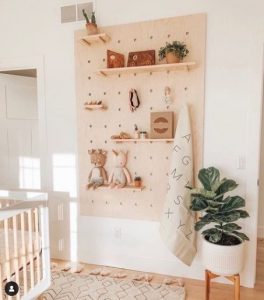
{"points": [[126, 188], [144, 69], [100, 37], [142, 140]]}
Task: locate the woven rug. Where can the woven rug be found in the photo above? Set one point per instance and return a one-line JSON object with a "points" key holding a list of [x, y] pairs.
{"points": [[67, 286]]}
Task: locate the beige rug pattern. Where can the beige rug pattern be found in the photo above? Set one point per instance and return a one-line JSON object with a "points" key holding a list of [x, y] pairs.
{"points": [[68, 286]]}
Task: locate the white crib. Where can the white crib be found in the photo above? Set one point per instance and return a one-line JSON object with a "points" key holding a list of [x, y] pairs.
{"points": [[24, 243]]}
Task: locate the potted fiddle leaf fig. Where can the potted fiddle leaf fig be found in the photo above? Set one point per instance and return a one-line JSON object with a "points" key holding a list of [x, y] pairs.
{"points": [[91, 25], [173, 52], [223, 241]]}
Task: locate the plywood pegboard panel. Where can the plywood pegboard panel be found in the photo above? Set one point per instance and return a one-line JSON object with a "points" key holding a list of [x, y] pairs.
{"points": [[151, 161]]}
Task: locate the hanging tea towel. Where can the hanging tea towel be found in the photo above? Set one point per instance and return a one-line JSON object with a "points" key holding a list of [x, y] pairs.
{"points": [[177, 221]]}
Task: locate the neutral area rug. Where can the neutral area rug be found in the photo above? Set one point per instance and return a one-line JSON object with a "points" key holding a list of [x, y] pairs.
{"points": [[68, 286]]}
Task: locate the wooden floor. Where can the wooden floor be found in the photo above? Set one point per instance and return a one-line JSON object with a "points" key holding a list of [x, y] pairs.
{"points": [[195, 288]]}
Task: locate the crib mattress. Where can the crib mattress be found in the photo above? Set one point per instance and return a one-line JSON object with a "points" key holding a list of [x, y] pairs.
{"points": [[11, 249]]}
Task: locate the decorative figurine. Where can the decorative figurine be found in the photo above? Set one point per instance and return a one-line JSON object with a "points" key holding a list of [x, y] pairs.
{"points": [[119, 176], [97, 175]]}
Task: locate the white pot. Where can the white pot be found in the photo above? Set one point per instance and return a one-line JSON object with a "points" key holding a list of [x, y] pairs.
{"points": [[223, 260]]}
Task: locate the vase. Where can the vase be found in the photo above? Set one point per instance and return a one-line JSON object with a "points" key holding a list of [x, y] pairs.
{"points": [[91, 28], [172, 58], [223, 260]]}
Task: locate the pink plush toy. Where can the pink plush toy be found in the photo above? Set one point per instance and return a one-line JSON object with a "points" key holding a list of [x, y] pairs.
{"points": [[119, 176]]}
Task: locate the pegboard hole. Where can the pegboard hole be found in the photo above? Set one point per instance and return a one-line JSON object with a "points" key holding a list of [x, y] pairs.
{"points": [[90, 94], [135, 39], [91, 141], [89, 77], [89, 61], [151, 37], [119, 41], [169, 35], [187, 32]]}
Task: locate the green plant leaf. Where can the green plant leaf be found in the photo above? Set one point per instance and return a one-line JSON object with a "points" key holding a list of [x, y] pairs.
{"points": [[233, 203], [214, 235], [226, 185], [231, 227], [227, 217], [204, 193], [198, 204], [243, 214], [242, 236], [214, 204], [209, 178], [199, 225]]}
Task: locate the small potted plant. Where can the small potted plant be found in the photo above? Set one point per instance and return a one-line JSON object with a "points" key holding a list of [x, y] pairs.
{"points": [[137, 181], [223, 242], [91, 25], [173, 52]]}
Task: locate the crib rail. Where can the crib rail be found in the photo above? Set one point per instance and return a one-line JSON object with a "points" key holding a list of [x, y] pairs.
{"points": [[24, 249]]}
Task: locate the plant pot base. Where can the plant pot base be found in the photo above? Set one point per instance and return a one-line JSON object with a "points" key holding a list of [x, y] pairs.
{"points": [[91, 29], [171, 58], [223, 260]]}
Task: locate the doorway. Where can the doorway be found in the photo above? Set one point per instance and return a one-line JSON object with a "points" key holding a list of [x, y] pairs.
{"points": [[23, 140]]}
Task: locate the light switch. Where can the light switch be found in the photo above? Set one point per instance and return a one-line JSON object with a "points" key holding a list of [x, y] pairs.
{"points": [[241, 164]]}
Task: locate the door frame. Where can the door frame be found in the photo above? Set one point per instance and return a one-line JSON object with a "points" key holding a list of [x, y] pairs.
{"points": [[36, 62], [253, 138]]}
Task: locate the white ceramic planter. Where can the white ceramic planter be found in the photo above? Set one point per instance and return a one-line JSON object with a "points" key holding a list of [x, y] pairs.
{"points": [[223, 260]]}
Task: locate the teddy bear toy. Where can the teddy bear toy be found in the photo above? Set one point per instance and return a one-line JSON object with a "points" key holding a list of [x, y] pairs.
{"points": [[119, 176], [97, 175]]}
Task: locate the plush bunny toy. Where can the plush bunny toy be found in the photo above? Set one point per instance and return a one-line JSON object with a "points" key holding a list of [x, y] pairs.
{"points": [[119, 176], [97, 176]]}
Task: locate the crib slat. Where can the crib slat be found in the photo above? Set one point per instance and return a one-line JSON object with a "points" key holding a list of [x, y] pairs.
{"points": [[7, 254], [24, 260], [30, 249], [16, 266], [37, 251]]}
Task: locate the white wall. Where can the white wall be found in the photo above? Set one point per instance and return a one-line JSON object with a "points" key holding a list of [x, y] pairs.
{"points": [[233, 87]]}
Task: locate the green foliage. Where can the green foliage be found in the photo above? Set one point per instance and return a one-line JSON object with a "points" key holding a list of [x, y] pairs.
{"points": [[178, 48], [85, 15], [217, 210], [93, 18]]}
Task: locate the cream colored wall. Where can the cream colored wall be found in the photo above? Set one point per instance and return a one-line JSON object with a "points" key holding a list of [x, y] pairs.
{"points": [[150, 161], [261, 183], [235, 35]]}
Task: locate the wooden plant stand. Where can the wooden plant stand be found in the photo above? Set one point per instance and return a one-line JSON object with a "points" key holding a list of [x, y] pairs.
{"points": [[234, 278]]}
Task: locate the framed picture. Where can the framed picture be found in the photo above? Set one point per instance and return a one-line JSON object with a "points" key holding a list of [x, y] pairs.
{"points": [[141, 58], [115, 60], [161, 125]]}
